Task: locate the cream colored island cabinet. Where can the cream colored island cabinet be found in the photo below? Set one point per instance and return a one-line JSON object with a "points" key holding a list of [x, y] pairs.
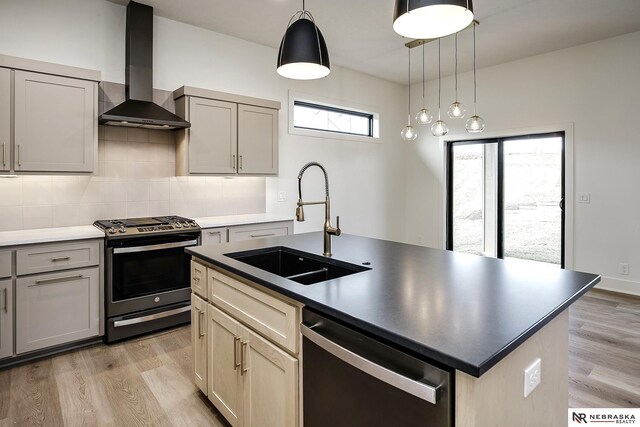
{"points": [[215, 236], [252, 347], [229, 134], [53, 114]]}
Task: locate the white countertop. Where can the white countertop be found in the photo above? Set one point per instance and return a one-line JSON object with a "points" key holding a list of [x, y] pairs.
{"points": [[44, 235], [231, 220]]}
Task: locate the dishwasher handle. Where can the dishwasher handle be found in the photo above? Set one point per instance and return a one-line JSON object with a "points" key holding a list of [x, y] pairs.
{"points": [[418, 389]]}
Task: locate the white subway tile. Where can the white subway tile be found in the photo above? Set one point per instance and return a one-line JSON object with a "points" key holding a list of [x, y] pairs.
{"points": [[159, 190], [11, 218], [137, 209], [116, 151], [159, 207], [37, 216], [137, 134], [138, 191], [11, 191], [65, 215], [115, 133], [37, 192]]}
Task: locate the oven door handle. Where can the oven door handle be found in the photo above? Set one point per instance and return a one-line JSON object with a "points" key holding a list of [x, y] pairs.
{"points": [[154, 247], [419, 389], [161, 315]]}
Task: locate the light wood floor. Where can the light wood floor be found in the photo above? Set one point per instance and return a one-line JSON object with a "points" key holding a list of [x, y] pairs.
{"points": [[146, 381], [604, 351]]}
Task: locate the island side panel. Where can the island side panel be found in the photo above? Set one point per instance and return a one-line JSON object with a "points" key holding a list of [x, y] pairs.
{"points": [[497, 397]]}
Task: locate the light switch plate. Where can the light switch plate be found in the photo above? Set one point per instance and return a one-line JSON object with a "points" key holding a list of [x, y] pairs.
{"points": [[532, 377], [282, 196], [584, 197]]}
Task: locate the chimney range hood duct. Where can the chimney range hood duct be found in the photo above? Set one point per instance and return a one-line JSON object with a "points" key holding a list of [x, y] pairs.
{"points": [[138, 109]]}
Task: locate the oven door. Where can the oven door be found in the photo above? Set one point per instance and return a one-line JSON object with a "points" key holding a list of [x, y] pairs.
{"points": [[146, 273]]}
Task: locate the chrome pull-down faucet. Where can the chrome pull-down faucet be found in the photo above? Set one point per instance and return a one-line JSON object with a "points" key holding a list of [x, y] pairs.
{"points": [[329, 230]]}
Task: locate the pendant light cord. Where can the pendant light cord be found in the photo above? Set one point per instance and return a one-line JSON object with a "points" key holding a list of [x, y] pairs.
{"points": [[409, 86], [423, 95], [439, 81], [475, 85], [456, 70]]}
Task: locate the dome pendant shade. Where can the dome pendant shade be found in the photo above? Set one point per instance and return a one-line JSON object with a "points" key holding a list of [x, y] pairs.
{"points": [[303, 53], [431, 19]]}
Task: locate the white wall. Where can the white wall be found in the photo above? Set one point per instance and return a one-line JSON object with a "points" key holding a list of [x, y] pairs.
{"points": [[593, 86], [366, 179]]}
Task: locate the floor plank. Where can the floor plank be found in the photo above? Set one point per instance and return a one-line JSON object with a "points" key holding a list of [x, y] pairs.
{"points": [[147, 381]]}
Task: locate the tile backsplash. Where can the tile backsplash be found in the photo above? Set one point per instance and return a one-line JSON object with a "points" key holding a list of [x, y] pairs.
{"points": [[134, 177]]}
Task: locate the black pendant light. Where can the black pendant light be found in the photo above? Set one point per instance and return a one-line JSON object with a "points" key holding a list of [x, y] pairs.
{"points": [[303, 53], [431, 19]]}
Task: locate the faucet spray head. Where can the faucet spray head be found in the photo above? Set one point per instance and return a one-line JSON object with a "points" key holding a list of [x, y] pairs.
{"points": [[300, 213]]}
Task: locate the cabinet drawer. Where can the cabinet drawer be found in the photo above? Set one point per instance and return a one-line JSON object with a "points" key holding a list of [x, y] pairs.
{"points": [[199, 279], [5, 264], [57, 308], [214, 236], [259, 231], [266, 314], [43, 258]]}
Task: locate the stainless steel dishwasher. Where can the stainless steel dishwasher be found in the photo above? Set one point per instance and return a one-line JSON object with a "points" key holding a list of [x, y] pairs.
{"points": [[352, 380]]}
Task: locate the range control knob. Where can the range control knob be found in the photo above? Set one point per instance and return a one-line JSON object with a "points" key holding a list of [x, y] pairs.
{"points": [[122, 230], [112, 230], [178, 225], [194, 224], [186, 224]]}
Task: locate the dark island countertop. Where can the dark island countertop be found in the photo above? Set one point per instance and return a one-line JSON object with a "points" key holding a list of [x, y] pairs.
{"points": [[463, 311]]}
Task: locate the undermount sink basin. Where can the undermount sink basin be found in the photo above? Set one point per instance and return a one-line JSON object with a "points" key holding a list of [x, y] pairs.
{"points": [[301, 267]]}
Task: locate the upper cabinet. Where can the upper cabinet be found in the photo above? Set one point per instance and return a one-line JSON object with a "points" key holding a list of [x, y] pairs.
{"points": [[52, 110], [229, 134], [5, 119]]}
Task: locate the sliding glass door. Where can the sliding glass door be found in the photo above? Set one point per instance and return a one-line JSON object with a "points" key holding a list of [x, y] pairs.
{"points": [[505, 197]]}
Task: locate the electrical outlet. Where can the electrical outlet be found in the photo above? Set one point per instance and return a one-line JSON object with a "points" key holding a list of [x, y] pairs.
{"points": [[532, 377], [584, 197], [282, 196], [624, 268]]}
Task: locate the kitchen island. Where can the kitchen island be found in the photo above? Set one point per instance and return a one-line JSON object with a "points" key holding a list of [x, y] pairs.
{"points": [[482, 318]]}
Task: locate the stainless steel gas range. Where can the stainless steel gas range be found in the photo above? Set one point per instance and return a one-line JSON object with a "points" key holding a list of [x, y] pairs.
{"points": [[147, 273]]}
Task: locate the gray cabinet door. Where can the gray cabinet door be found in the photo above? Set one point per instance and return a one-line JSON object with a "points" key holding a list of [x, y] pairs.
{"points": [[55, 123], [5, 119], [57, 308], [257, 140], [212, 137], [6, 319]]}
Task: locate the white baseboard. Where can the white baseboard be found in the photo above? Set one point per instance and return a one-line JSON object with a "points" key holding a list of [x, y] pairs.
{"points": [[619, 285]]}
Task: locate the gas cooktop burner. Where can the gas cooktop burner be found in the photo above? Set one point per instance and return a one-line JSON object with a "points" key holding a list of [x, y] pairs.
{"points": [[142, 226]]}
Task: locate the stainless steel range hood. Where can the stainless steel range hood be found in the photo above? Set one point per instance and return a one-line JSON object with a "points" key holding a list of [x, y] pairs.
{"points": [[138, 109]]}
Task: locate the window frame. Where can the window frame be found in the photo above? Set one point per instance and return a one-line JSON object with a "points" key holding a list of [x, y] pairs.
{"points": [[339, 104], [331, 109]]}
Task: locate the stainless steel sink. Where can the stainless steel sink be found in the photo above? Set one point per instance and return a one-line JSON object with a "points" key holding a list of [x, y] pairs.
{"points": [[301, 267]]}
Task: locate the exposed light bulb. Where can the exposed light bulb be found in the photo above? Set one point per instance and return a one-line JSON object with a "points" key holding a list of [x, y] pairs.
{"points": [[409, 133], [424, 117], [439, 128], [475, 124], [457, 110]]}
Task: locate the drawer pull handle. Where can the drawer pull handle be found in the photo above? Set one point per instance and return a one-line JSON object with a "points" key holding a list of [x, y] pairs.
{"points": [[233, 162], [6, 300], [18, 155], [4, 154], [243, 353], [214, 233], [61, 258], [241, 162], [59, 279], [196, 279], [236, 364], [255, 236]]}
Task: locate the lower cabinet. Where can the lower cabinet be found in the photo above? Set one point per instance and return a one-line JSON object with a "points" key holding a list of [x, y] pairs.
{"points": [[199, 341], [6, 318], [56, 308], [250, 380]]}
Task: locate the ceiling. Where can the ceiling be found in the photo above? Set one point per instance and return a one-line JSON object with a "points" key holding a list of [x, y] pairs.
{"points": [[359, 34]]}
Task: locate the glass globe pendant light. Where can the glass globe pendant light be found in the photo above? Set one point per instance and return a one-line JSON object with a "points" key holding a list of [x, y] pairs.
{"points": [[439, 128], [456, 110], [303, 53], [424, 116], [475, 123], [409, 133]]}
